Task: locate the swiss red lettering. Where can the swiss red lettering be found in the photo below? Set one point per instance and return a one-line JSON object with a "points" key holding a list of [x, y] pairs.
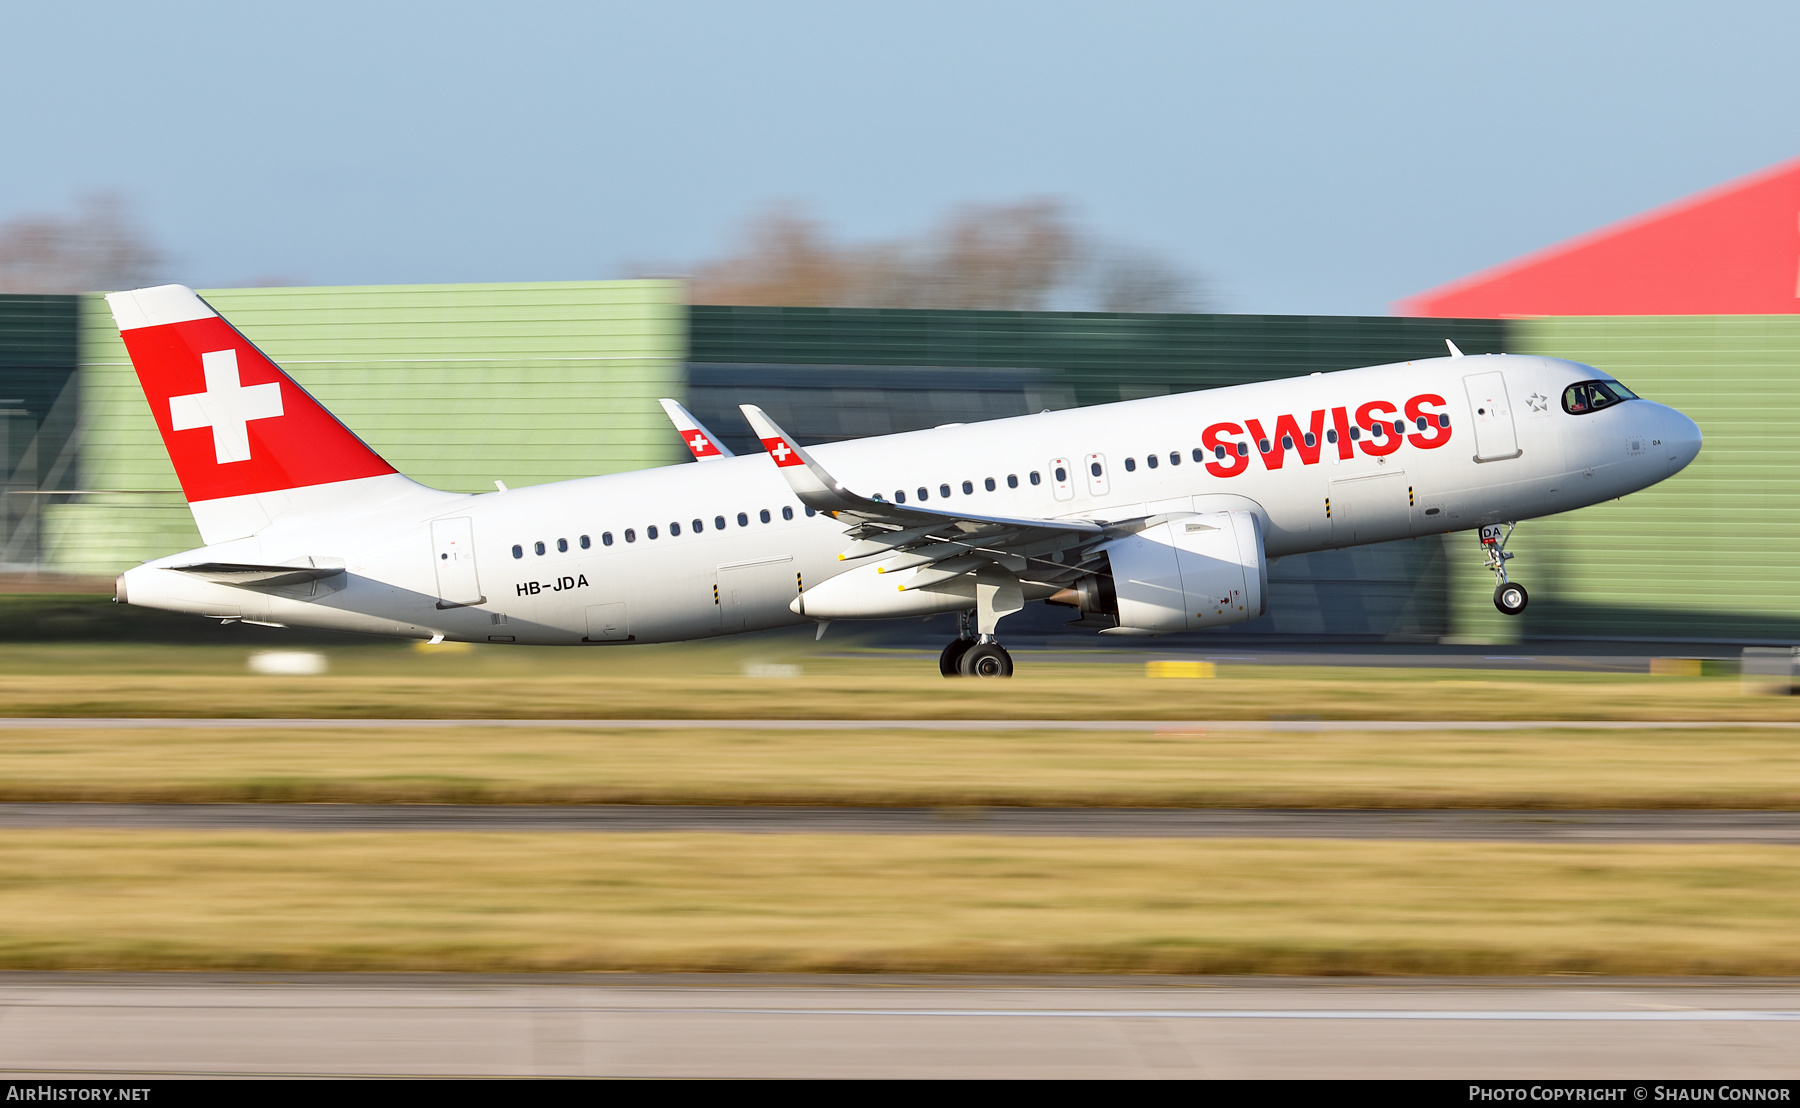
{"points": [[1212, 439], [1379, 411], [1290, 436], [1287, 426], [1340, 420], [1287, 431], [1433, 436]]}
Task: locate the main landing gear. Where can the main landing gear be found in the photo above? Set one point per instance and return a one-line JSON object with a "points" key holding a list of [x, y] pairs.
{"points": [[1509, 596], [973, 655]]}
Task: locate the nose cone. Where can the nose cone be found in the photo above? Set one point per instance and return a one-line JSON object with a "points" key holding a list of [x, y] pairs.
{"points": [[1680, 439]]}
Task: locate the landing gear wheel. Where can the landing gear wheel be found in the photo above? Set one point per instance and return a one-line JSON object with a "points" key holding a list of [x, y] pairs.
{"points": [[1511, 598], [952, 656], [987, 659]]}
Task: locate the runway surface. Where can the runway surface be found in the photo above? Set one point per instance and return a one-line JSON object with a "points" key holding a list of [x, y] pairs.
{"points": [[145, 1025], [1599, 826], [1158, 726]]}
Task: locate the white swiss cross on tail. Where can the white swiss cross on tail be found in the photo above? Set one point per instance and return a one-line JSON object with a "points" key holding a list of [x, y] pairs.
{"points": [[227, 406]]}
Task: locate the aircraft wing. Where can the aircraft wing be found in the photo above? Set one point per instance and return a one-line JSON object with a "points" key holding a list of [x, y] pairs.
{"points": [[944, 544], [704, 445]]}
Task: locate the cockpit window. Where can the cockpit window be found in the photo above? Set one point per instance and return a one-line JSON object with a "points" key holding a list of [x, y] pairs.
{"points": [[1591, 396]]}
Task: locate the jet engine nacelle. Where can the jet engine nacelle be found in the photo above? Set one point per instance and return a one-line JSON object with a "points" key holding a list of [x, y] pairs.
{"points": [[1189, 573]]}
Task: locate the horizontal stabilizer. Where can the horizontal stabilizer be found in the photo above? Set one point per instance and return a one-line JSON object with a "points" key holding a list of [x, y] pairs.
{"points": [[264, 576]]}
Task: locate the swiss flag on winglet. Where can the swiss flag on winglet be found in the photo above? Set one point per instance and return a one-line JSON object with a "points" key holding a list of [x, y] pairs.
{"points": [[783, 454], [702, 446], [232, 421]]}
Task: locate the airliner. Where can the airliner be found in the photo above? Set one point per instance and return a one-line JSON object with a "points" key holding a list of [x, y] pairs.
{"points": [[1145, 517]]}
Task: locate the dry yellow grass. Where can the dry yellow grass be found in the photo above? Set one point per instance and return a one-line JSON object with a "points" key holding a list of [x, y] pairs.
{"points": [[1723, 768], [127, 900], [706, 681]]}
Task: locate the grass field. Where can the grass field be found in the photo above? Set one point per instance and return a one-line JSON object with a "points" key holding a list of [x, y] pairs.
{"points": [[942, 903], [707, 681], [1217, 767], [118, 900]]}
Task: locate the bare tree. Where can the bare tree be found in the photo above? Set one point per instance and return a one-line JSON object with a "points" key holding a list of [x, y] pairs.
{"points": [[1014, 257], [1127, 280], [1002, 256], [96, 249]]}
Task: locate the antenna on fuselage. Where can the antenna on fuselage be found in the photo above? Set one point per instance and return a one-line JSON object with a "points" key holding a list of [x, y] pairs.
{"points": [[1454, 352]]}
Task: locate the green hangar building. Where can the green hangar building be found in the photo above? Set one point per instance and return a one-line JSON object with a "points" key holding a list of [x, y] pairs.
{"points": [[463, 385]]}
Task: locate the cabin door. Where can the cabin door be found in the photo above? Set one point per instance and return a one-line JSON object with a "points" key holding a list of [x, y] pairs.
{"points": [[1495, 437], [453, 553]]}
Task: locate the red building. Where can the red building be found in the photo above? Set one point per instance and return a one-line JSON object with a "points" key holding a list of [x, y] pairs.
{"points": [[1731, 250]]}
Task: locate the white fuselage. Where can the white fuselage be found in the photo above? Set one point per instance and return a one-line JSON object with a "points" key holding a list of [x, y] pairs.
{"points": [[692, 582]]}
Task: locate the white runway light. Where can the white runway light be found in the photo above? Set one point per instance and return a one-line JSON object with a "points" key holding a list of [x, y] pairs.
{"points": [[287, 663]]}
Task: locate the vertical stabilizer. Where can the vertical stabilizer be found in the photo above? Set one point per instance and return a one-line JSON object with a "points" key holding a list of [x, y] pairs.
{"points": [[243, 436]]}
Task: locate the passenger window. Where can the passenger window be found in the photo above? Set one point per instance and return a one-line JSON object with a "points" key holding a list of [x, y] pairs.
{"points": [[562, 546], [1265, 446], [1422, 423], [1376, 430], [1331, 436], [630, 535], [1012, 480], [1174, 457], [1130, 465], [990, 484], [1199, 457], [1218, 451], [585, 543], [944, 490], [899, 496], [718, 523], [518, 551], [1094, 469], [1150, 460], [1399, 427], [606, 538], [1311, 439], [674, 530], [538, 546], [743, 519], [1443, 419], [968, 488], [650, 531], [810, 513], [1355, 434], [923, 495], [1035, 479], [1243, 449], [787, 513], [763, 515], [1061, 474], [1287, 442]]}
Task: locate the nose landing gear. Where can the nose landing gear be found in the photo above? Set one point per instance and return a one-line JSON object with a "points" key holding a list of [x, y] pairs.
{"points": [[1509, 596]]}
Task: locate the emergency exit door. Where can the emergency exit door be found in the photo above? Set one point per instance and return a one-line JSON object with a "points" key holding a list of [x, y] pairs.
{"points": [[453, 553]]}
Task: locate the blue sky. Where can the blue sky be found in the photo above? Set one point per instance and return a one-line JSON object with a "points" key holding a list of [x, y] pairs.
{"points": [[1300, 158]]}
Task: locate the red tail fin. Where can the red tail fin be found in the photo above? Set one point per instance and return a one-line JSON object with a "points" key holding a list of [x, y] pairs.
{"points": [[232, 421]]}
